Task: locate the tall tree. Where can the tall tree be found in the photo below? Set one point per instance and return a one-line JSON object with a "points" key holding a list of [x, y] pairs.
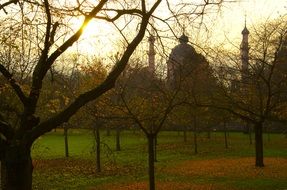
{"points": [[16, 141], [255, 93], [49, 40]]}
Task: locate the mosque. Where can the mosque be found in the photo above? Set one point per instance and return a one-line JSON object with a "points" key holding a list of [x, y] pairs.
{"points": [[185, 62], [184, 59]]}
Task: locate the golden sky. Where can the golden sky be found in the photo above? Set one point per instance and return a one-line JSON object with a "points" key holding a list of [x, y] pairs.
{"points": [[225, 24], [231, 20]]}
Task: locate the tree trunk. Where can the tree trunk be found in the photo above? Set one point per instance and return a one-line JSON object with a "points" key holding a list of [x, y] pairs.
{"points": [[225, 135], [66, 141], [155, 148], [184, 134], [16, 169], [250, 133], [259, 144], [195, 135], [151, 161], [97, 147], [118, 145], [0, 174], [108, 132], [208, 133]]}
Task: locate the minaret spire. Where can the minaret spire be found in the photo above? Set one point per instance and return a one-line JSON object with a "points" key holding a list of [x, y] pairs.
{"points": [[245, 20], [183, 29], [244, 48], [151, 52]]}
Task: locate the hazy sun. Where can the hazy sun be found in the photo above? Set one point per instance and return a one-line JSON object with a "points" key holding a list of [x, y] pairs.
{"points": [[96, 38]]}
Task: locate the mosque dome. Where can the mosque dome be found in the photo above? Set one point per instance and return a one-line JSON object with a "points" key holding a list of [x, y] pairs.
{"points": [[182, 51], [183, 59]]}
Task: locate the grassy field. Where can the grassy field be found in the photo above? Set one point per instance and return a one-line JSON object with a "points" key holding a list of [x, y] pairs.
{"points": [[214, 167]]}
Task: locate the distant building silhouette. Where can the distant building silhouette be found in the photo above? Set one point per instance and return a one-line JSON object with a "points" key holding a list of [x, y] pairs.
{"points": [[183, 60], [244, 50], [241, 77], [151, 54]]}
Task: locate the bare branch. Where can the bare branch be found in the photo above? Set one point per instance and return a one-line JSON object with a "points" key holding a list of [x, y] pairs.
{"points": [[2, 6], [96, 92], [143, 6], [47, 45], [5, 128], [133, 116], [55, 26], [13, 84], [119, 14], [45, 62]]}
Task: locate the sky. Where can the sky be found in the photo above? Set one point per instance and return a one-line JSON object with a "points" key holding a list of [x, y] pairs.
{"points": [[225, 26], [232, 17]]}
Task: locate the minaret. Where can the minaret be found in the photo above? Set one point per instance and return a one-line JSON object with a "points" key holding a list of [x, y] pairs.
{"points": [[151, 54], [244, 49]]}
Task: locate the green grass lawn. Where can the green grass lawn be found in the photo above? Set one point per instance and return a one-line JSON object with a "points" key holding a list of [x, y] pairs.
{"points": [[129, 166]]}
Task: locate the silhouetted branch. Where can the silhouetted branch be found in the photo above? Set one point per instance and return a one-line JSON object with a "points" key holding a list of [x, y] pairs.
{"points": [[5, 128], [2, 6], [13, 84], [96, 92]]}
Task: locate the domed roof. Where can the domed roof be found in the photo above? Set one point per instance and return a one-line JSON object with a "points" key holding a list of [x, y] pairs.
{"points": [[182, 51], [183, 60]]}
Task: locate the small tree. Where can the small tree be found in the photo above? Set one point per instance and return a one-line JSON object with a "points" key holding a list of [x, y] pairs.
{"points": [[148, 103]]}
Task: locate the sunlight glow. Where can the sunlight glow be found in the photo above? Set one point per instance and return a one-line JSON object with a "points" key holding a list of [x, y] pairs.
{"points": [[96, 38], [101, 38]]}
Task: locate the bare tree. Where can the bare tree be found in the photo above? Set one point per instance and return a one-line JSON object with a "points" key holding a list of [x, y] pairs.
{"points": [[47, 19], [256, 94], [16, 141], [148, 102]]}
